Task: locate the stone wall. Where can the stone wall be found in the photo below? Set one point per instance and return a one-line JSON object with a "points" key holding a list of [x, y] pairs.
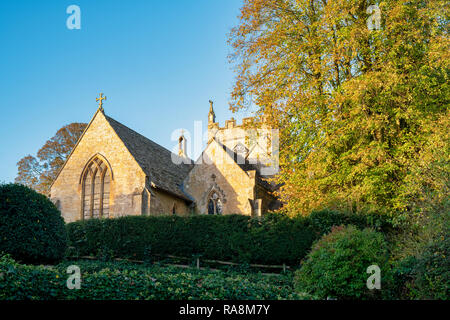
{"points": [[162, 203], [218, 172]]}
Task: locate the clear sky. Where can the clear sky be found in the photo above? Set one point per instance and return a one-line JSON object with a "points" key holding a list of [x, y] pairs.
{"points": [[158, 62]]}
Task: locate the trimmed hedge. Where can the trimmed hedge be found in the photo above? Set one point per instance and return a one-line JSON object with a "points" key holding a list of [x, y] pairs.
{"points": [[31, 227], [272, 239], [122, 281], [232, 238]]}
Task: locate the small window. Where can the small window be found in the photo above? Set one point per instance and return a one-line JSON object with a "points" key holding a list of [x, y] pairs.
{"points": [[174, 209], [214, 204]]}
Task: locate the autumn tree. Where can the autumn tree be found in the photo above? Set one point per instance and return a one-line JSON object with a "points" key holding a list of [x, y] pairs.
{"points": [[39, 173], [356, 103]]}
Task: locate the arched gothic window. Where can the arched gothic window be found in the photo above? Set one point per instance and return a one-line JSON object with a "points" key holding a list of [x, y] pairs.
{"points": [[214, 204], [96, 186]]}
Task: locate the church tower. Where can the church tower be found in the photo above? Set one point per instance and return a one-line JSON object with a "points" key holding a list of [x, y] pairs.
{"points": [[252, 139]]}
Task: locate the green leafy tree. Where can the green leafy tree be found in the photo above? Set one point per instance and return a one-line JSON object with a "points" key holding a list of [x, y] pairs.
{"points": [[40, 173], [357, 108]]}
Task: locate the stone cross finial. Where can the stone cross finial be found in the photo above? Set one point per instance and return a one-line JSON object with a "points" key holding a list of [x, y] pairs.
{"points": [[100, 101]]}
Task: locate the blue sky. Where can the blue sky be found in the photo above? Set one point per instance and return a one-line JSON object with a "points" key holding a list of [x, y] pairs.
{"points": [[158, 63]]}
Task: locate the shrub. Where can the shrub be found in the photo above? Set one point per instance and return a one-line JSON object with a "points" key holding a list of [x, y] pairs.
{"points": [[427, 276], [111, 281], [18, 282], [231, 237], [336, 266], [31, 227], [420, 255], [402, 275]]}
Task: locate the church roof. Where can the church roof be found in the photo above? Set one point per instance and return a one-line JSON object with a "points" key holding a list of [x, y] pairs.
{"points": [[155, 160]]}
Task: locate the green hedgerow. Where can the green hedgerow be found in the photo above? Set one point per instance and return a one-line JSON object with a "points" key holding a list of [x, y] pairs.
{"points": [[337, 264], [238, 238], [271, 239], [31, 227], [125, 281]]}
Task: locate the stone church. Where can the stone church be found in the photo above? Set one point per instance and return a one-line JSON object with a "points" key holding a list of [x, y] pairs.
{"points": [[114, 171]]}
